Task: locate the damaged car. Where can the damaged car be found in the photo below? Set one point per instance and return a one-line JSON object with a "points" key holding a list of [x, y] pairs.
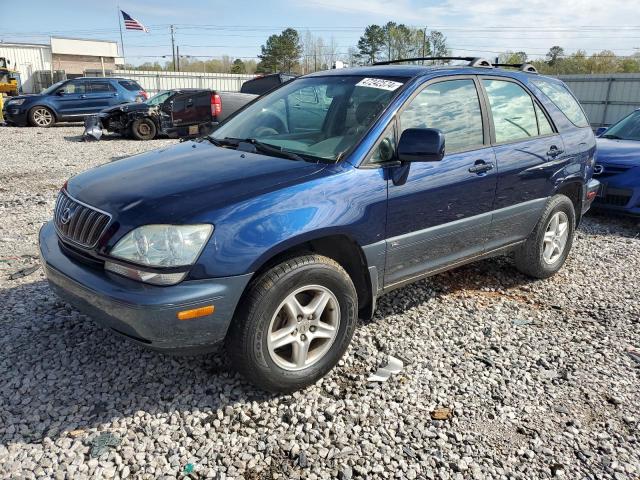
{"points": [[172, 113]]}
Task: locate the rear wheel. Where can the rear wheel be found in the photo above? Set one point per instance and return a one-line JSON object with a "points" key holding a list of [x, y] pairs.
{"points": [[143, 129], [548, 246], [295, 324], [41, 117]]}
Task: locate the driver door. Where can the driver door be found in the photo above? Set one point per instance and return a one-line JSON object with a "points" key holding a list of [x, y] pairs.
{"points": [[439, 213]]}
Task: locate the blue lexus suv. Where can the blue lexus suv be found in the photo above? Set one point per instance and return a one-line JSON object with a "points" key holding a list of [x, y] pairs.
{"points": [[276, 232], [71, 100]]}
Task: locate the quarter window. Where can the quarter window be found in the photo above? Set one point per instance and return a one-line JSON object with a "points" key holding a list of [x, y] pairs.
{"points": [[514, 116], [451, 106], [562, 98]]}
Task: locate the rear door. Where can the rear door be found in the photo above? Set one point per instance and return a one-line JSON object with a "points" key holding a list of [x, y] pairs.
{"points": [[191, 108], [439, 213], [528, 151], [100, 95]]}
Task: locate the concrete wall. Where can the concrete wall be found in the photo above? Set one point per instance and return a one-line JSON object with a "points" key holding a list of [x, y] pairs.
{"points": [[27, 59], [606, 98], [153, 82]]}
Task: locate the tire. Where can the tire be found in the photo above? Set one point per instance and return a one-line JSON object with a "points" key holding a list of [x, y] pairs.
{"points": [[546, 250], [143, 129], [252, 338], [40, 116]]}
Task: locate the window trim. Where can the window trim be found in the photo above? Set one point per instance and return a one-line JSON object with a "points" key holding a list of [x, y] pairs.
{"points": [[534, 101]]}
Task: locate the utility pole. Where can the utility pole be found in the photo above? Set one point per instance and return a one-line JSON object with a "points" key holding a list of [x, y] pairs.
{"points": [[173, 50]]}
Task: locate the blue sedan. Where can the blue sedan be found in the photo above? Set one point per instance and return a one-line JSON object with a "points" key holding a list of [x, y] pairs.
{"points": [[618, 166]]}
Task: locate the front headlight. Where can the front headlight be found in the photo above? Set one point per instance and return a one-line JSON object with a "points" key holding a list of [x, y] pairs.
{"points": [[15, 103], [159, 246]]}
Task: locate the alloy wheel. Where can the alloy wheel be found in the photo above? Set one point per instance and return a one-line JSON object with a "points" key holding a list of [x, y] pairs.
{"points": [[303, 327], [42, 117], [555, 237]]}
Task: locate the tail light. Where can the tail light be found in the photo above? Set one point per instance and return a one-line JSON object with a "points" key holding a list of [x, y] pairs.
{"points": [[216, 105], [143, 94]]}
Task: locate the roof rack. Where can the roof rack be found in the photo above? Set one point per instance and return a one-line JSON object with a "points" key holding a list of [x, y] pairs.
{"points": [[473, 61], [524, 67]]}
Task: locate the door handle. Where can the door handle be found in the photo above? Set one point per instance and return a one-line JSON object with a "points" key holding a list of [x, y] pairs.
{"points": [[83, 96], [554, 151], [481, 167]]}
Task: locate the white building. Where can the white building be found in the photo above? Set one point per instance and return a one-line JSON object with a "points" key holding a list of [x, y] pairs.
{"points": [[41, 64]]}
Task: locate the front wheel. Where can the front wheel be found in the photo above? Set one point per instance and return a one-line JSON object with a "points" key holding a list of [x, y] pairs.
{"points": [[548, 246], [295, 324], [143, 129], [41, 117]]}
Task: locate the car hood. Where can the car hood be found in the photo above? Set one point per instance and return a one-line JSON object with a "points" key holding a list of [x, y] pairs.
{"points": [[183, 183], [618, 152], [25, 96], [127, 107]]}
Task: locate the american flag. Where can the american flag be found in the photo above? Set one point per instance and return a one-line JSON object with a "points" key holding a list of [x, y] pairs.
{"points": [[131, 23]]}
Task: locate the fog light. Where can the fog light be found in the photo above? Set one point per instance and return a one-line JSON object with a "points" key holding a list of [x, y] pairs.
{"points": [[196, 312]]}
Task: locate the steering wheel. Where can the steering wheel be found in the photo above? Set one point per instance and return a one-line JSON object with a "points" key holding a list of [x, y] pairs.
{"points": [[271, 121]]}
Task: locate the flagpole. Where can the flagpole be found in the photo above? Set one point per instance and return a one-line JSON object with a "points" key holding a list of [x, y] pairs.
{"points": [[121, 38]]}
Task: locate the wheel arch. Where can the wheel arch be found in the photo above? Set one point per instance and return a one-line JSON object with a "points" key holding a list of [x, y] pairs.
{"points": [[337, 246], [573, 189]]}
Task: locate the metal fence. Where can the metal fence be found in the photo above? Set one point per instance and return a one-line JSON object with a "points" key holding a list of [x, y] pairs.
{"points": [[154, 82], [606, 98]]}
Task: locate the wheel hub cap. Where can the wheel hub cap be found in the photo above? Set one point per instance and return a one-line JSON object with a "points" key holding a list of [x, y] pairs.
{"points": [[555, 237], [303, 328]]}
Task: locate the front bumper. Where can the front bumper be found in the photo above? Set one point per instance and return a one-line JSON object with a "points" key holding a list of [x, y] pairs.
{"points": [[15, 115], [144, 313], [620, 192]]}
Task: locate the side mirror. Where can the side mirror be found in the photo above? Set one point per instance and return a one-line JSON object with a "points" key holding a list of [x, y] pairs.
{"points": [[600, 131], [421, 145], [60, 92]]}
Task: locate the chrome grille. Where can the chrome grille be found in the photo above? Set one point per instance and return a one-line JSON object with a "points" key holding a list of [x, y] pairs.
{"points": [[77, 222]]}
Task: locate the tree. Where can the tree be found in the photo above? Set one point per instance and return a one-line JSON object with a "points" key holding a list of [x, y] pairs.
{"points": [[555, 54], [371, 43], [438, 43], [238, 66], [512, 57], [281, 52]]}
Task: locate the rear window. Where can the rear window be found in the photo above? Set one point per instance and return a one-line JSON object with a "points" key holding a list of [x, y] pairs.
{"points": [[130, 85], [564, 100]]}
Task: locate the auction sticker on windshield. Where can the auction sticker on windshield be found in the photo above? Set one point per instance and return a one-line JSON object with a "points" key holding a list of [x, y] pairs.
{"points": [[379, 83]]}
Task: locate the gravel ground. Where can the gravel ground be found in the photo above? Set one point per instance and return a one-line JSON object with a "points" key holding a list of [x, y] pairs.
{"points": [[536, 378]]}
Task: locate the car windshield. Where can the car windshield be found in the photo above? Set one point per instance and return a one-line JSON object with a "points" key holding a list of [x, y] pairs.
{"points": [[317, 118], [52, 88], [626, 129], [158, 98]]}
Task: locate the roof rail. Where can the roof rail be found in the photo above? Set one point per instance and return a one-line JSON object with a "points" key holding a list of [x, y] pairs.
{"points": [[524, 67], [473, 61]]}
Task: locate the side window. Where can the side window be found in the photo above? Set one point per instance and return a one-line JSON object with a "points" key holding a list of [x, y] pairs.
{"points": [[74, 87], [101, 87], [514, 116], [562, 98], [544, 126], [451, 106], [306, 95]]}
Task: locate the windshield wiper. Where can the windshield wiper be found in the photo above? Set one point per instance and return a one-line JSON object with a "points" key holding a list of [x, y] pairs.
{"points": [[612, 137], [220, 143], [264, 148]]}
